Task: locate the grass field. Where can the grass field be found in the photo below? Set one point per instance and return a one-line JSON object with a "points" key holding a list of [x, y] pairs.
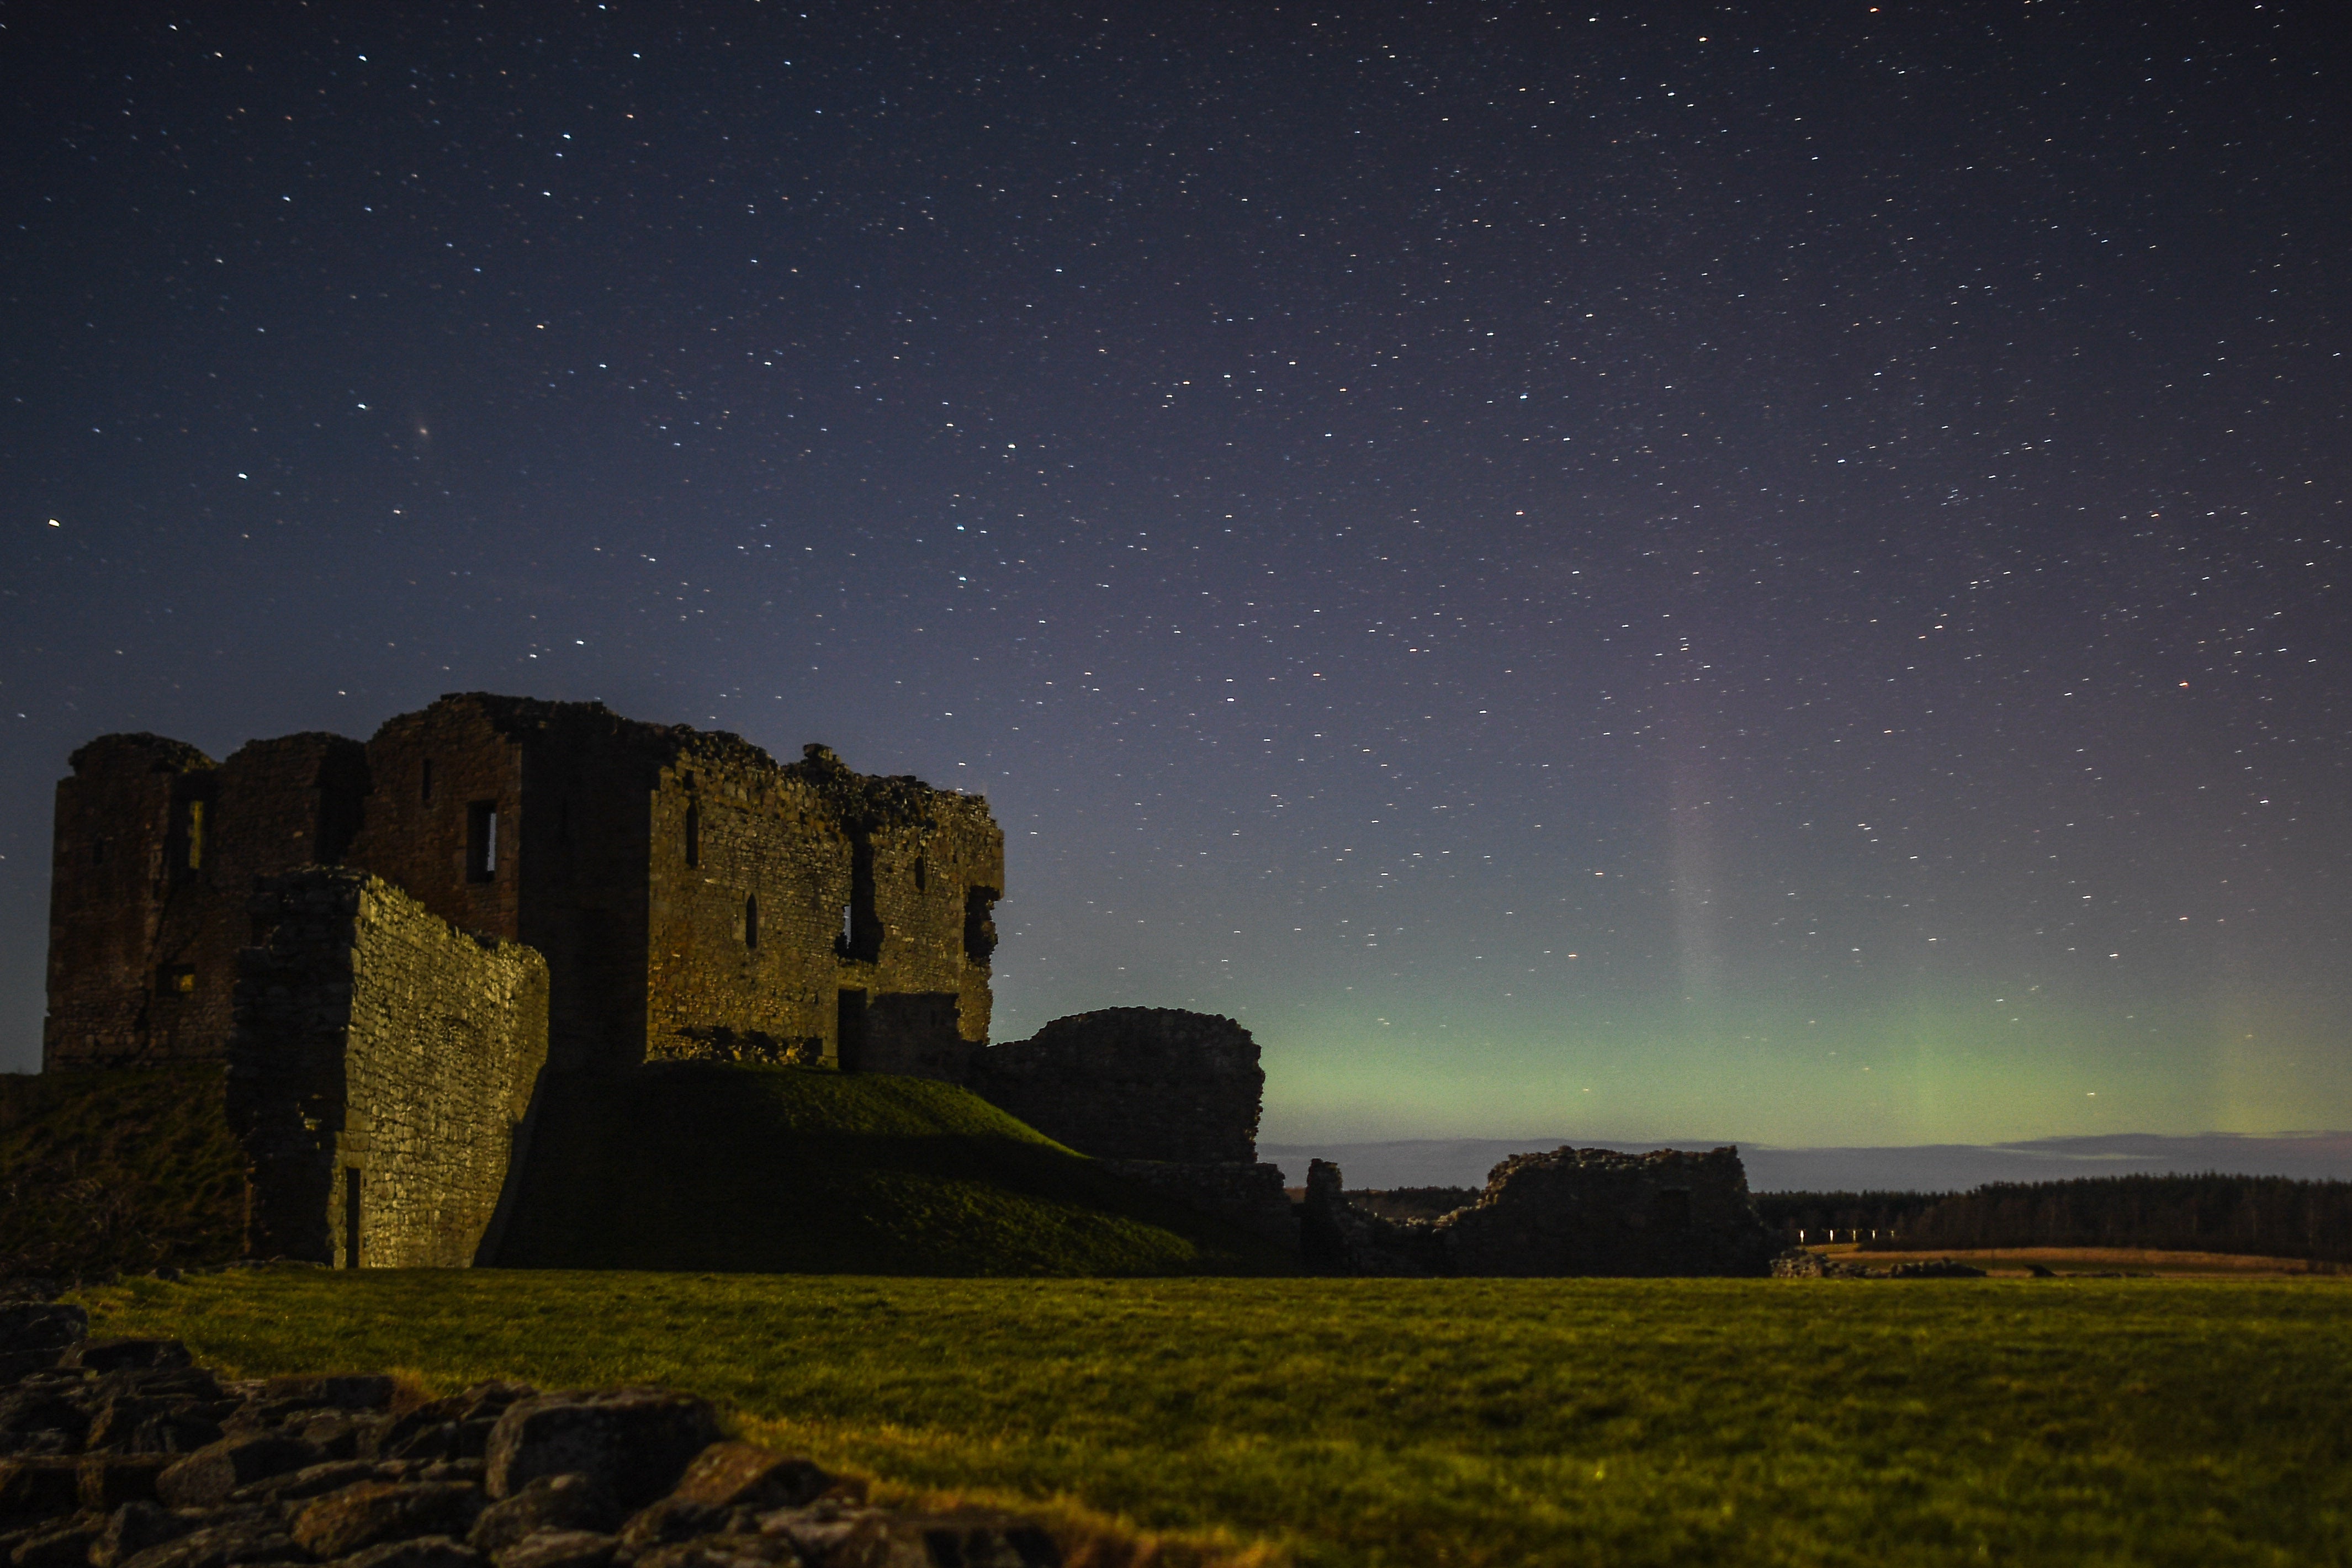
{"points": [[1386, 1422]]}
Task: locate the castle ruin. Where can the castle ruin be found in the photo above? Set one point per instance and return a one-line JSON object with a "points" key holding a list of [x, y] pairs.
{"points": [[385, 942], [690, 896]]}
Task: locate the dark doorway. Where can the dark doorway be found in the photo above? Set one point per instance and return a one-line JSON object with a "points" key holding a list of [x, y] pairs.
{"points": [[351, 1216], [849, 1034]]}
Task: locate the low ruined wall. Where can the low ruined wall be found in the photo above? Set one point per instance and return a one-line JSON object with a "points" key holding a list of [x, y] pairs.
{"points": [[1568, 1212], [1133, 1083], [376, 1044], [1249, 1196]]}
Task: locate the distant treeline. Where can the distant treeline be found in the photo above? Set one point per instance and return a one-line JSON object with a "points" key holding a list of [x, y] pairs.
{"points": [[2270, 1216], [1811, 1216]]}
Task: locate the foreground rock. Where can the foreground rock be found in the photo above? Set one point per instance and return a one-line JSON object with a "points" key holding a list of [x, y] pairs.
{"points": [[123, 1455]]}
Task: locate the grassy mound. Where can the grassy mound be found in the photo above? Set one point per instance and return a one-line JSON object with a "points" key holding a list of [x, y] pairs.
{"points": [[797, 1170], [101, 1172], [1378, 1423]]}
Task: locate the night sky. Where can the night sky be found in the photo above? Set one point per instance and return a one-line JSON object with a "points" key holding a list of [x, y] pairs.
{"points": [[1771, 574]]}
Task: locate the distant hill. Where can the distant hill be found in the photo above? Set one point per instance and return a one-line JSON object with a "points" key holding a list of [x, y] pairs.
{"points": [[800, 1170], [120, 1171]]}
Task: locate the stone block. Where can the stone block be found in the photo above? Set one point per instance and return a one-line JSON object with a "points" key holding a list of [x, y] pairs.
{"points": [[634, 1442], [345, 1522], [741, 1475]]}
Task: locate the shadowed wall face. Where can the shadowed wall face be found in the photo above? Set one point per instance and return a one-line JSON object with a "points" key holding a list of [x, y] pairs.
{"points": [[382, 1066], [156, 851], [1137, 1083], [692, 896]]}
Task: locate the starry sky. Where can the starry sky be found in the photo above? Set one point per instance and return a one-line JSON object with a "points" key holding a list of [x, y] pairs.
{"points": [[1766, 573]]}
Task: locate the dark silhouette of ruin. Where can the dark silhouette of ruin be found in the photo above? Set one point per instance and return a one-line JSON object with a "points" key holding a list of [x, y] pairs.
{"points": [[388, 944], [391, 945], [690, 896]]}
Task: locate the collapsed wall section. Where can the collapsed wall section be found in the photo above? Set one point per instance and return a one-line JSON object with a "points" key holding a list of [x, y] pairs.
{"points": [[1133, 1083], [380, 1075], [917, 934], [748, 876], [1566, 1211]]}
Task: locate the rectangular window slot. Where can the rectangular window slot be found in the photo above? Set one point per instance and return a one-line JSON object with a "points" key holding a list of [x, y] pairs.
{"points": [[193, 836], [693, 833], [482, 841], [427, 795], [177, 980], [752, 922]]}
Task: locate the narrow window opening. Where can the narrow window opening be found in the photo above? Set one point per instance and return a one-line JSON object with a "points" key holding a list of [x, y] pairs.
{"points": [[861, 926], [427, 795], [922, 874], [693, 833], [351, 1216], [482, 841], [752, 922], [193, 836], [979, 924], [177, 980], [342, 786]]}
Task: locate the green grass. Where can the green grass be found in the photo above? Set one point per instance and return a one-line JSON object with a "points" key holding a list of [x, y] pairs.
{"points": [[117, 1170], [799, 1170], [1390, 1422]]}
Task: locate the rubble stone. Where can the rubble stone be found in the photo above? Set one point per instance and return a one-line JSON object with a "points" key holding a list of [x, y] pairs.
{"points": [[635, 1442]]}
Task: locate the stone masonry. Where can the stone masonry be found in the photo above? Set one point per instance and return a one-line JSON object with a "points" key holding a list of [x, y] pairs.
{"points": [[692, 896], [1137, 1083], [1568, 1212], [1168, 1099], [381, 1072]]}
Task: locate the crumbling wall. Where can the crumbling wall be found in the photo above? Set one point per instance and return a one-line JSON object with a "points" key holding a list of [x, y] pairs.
{"points": [[748, 876], [380, 1075], [1248, 1196], [443, 819], [1133, 1083], [916, 938], [119, 814], [690, 896], [156, 849], [1568, 1212]]}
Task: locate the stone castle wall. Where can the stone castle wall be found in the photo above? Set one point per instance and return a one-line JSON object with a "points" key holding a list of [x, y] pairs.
{"points": [[1568, 1212], [690, 895], [1135, 1083], [156, 850], [381, 1071]]}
